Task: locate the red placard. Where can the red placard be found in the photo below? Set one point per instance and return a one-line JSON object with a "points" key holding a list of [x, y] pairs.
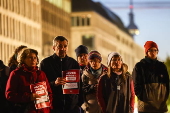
{"points": [[72, 81], [40, 88]]}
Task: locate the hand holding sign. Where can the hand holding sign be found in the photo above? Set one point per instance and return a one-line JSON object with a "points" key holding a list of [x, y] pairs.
{"points": [[60, 81], [34, 96]]}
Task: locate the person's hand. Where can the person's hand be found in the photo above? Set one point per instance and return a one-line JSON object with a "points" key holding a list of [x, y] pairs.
{"points": [[60, 81], [35, 96]]}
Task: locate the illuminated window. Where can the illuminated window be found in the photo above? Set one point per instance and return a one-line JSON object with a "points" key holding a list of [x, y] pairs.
{"points": [[63, 4], [88, 41]]}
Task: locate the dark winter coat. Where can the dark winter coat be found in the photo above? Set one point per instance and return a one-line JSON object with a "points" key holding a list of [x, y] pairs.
{"points": [[18, 88], [4, 74], [113, 100], [53, 67], [151, 85], [90, 82]]}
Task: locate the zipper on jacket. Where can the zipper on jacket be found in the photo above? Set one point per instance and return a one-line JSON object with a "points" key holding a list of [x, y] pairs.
{"points": [[62, 85]]}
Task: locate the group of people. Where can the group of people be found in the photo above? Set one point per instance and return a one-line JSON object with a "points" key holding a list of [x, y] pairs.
{"points": [[103, 89]]}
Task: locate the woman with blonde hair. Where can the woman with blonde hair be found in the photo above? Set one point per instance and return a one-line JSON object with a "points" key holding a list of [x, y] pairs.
{"points": [[115, 92], [18, 88]]}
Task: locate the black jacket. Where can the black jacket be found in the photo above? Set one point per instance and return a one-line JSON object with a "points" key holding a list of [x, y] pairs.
{"points": [[151, 81], [53, 67], [112, 100], [4, 74]]}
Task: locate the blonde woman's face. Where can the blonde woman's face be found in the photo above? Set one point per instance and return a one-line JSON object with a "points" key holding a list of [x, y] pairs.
{"points": [[116, 62], [31, 60]]}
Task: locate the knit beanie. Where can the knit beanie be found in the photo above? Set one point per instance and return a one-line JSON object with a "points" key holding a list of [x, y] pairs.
{"points": [[94, 54], [110, 55], [150, 44], [81, 49]]}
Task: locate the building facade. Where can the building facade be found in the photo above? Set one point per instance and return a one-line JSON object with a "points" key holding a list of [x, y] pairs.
{"points": [[19, 25], [33, 23], [100, 29], [55, 21]]}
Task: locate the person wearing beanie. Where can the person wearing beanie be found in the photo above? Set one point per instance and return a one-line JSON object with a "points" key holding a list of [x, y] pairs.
{"points": [[82, 56], [151, 81], [115, 91], [149, 47], [92, 72]]}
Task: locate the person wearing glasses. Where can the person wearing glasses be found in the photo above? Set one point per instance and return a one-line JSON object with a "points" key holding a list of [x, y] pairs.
{"points": [[115, 92], [151, 81]]}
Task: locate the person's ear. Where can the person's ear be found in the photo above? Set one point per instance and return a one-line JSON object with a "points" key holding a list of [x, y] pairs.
{"points": [[54, 48]]}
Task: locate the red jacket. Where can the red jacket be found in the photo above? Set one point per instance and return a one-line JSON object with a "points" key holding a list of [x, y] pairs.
{"points": [[18, 87]]}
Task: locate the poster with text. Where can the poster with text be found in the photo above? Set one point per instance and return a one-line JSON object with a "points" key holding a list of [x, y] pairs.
{"points": [[40, 88], [72, 81]]}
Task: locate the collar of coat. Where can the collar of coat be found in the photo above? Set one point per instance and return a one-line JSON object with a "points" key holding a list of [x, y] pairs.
{"points": [[29, 69]]}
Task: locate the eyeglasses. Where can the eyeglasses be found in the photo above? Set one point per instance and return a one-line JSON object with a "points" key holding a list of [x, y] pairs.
{"points": [[152, 50]]}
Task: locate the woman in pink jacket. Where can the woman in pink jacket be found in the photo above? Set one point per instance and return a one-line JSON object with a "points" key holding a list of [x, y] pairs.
{"points": [[18, 89]]}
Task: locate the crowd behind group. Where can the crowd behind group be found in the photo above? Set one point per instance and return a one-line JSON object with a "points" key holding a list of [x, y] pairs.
{"points": [[103, 89]]}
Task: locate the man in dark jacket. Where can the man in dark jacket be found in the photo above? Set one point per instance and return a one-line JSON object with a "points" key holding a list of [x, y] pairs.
{"points": [[151, 81], [53, 67]]}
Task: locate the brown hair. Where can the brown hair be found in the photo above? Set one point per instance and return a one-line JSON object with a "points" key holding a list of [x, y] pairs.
{"points": [[13, 58], [24, 54], [124, 69]]}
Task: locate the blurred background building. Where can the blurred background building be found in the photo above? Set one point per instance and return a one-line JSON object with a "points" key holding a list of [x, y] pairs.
{"points": [[95, 26], [35, 23]]}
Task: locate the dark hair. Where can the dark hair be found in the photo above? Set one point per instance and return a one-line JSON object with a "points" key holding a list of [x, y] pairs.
{"points": [[24, 55], [1, 64], [13, 58], [59, 38]]}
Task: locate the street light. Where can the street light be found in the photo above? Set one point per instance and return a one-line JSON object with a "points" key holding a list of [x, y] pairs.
{"points": [[133, 29]]}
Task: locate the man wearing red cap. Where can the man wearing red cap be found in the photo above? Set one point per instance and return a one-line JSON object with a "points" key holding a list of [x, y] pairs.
{"points": [[151, 81]]}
